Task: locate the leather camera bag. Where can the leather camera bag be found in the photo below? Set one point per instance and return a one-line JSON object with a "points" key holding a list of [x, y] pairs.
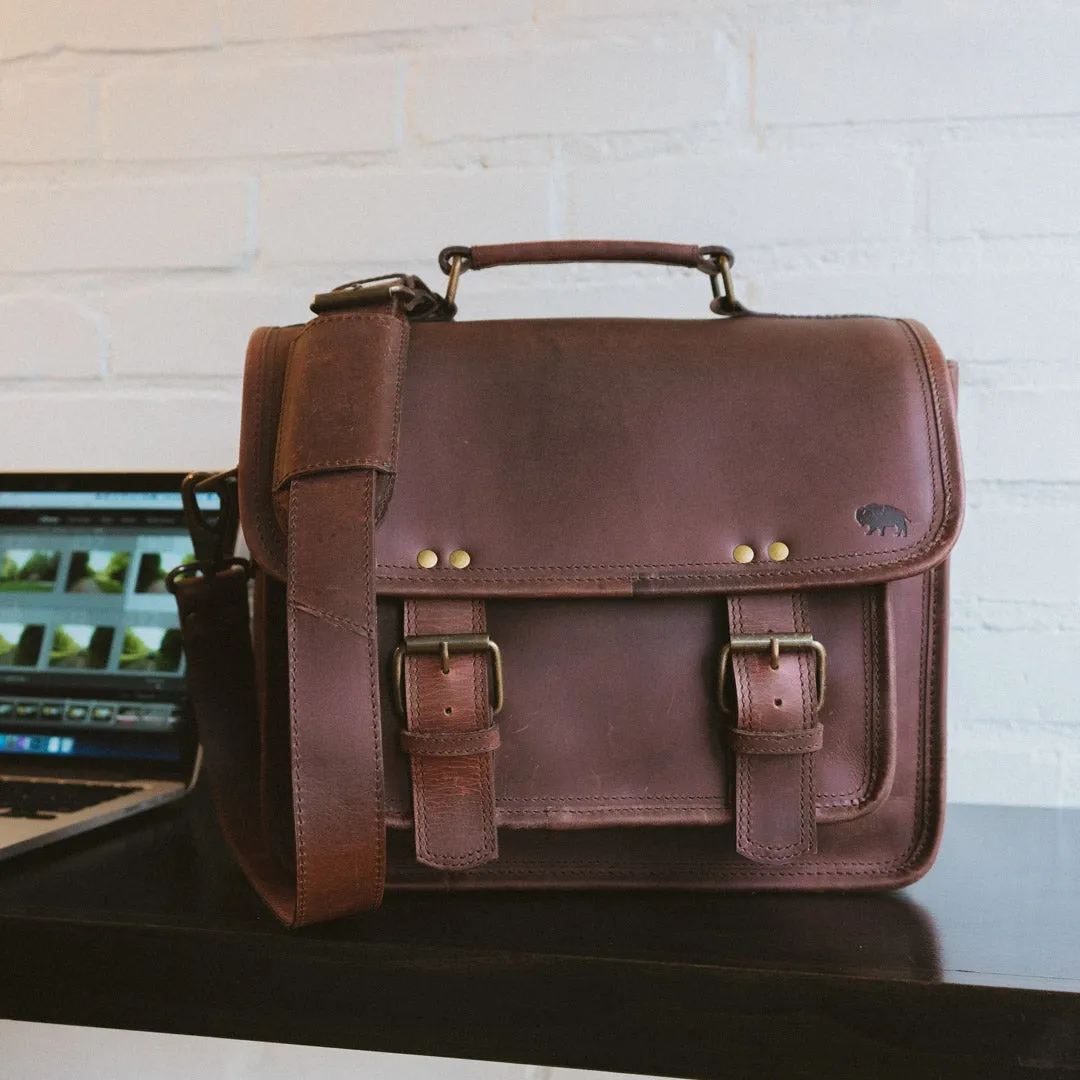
{"points": [[601, 603]]}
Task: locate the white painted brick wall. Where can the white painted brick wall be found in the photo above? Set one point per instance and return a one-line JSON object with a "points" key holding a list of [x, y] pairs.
{"points": [[172, 175], [64, 125], [126, 224], [596, 85], [169, 177], [762, 198], [278, 20], [114, 25], [916, 61], [1016, 188], [233, 107], [48, 336], [163, 330], [379, 217]]}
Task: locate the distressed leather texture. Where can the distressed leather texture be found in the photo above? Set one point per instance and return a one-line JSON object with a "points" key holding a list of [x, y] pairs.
{"points": [[600, 473], [450, 738]]}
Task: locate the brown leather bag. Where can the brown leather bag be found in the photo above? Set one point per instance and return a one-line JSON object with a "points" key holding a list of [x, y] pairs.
{"points": [[604, 603]]}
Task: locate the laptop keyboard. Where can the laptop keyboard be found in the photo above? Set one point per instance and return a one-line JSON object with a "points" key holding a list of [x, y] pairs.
{"points": [[42, 800]]}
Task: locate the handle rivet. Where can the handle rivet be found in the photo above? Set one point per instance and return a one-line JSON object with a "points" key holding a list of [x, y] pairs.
{"points": [[744, 553], [460, 559], [778, 551], [427, 559]]}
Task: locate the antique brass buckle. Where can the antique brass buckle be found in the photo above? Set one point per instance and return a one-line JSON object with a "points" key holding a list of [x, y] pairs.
{"points": [[717, 263], [774, 645], [413, 297], [444, 646]]}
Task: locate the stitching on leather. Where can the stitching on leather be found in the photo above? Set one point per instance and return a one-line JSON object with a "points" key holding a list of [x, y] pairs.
{"points": [[485, 765], [925, 375], [337, 463], [779, 742], [369, 463], [285, 380], [371, 620], [807, 821], [689, 801], [743, 774], [797, 846], [722, 572], [556, 810], [267, 529], [298, 794], [383, 496], [879, 866], [927, 696], [445, 741], [928, 367], [447, 738], [858, 795], [404, 333], [778, 575], [336, 620], [703, 870], [718, 799], [698, 870], [870, 710], [467, 858], [413, 709], [807, 803], [265, 521], [924, 658]]}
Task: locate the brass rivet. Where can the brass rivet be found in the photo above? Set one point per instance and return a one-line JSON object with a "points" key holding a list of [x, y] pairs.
{"points": [[744, 553], [460, 559], [427, 559], [778, 551]]}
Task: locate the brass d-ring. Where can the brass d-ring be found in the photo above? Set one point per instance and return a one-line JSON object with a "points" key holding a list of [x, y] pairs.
{"points": [[457, 268]]}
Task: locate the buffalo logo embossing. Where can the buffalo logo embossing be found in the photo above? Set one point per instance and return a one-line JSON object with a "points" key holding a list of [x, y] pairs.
{"points": [[877, 517]]}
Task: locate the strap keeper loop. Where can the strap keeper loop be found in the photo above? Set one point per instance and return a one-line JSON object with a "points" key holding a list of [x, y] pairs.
{"points": [[450, 743], [806, 741]]}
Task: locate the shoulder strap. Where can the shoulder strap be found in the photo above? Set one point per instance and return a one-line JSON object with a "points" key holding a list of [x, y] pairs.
{"points": [[335, 727]]}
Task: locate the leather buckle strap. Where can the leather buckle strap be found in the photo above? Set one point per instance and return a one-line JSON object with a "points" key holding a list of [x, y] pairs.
{"points": [[450, 735], [779, 671]]}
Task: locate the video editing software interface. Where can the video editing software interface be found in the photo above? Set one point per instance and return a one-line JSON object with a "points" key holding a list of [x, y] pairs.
{"points": [[91, 663]]}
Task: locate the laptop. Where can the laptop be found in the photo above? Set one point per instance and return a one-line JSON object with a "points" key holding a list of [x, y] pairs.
{"points": [[94, 722]]}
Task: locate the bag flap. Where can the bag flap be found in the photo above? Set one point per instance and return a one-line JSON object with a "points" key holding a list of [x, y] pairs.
{"points": [[577, 457]]}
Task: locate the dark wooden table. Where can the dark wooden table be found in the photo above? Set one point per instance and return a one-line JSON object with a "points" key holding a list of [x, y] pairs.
{"points": [[974, 972]]}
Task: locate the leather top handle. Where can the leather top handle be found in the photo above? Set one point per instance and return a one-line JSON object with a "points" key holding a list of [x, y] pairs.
{"points": [[481, 257], [713, 260]]}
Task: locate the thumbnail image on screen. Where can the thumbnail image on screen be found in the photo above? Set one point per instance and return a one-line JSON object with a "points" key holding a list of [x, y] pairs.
{"points": [[84, 647], [155, 565], [98, 571], [150, 648], [20, 645], [24, 570]]}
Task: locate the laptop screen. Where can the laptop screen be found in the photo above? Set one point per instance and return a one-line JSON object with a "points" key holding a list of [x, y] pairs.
{"points": [[91, 664]]}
